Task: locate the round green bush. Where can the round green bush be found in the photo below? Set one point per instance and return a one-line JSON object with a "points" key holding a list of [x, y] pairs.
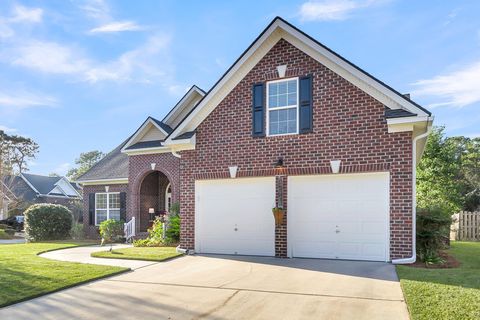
{"points": [[47, 222]]}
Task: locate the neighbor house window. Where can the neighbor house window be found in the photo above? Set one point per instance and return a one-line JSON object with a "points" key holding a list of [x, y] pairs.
{"points": [[282, 106], [107, 206]]}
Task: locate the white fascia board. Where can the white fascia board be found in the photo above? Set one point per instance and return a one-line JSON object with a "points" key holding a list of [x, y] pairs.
{"points": [[56, 196], [182, 144], [276, 31], [68, 184], [146, 151], [347, 71], [103, 181], [29, 184], [180, 104], [238, 71], [133, 139], [59, 188]]}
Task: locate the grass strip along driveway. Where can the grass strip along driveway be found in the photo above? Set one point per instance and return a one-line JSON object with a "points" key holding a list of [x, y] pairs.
{"points": [[445, 293], [24, 275], [140, 253]]}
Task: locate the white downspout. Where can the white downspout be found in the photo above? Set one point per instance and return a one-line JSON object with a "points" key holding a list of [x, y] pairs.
{"points": [[413, 258], [176, 154]]}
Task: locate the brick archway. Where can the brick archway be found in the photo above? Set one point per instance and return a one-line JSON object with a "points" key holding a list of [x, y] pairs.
{"points": [[140, 167]]}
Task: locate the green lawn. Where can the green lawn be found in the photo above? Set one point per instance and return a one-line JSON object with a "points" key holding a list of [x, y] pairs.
{"points": [[445, 293], [24, 275], [140, 253]]}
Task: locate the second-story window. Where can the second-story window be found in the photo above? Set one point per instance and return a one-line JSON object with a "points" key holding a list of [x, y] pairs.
{"points": [[282, 107]]}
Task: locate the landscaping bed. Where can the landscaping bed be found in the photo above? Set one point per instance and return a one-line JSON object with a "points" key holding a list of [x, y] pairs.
{"points": [[445, 293], [140, 253], [24, 275]]}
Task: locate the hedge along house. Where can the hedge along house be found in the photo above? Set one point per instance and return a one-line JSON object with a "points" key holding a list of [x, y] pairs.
{"points": [[291, 124]]}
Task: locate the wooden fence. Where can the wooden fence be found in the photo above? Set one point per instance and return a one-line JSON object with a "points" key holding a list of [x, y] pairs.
{"points": [[466, 226]]}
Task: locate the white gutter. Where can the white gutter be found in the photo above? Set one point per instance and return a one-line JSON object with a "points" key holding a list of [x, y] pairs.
{"points": [[413, 258]]}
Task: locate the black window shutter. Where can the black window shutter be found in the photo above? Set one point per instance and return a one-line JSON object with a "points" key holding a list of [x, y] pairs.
{"points": [[305, 104], [258, 110], [123, 206], [91, 209]]}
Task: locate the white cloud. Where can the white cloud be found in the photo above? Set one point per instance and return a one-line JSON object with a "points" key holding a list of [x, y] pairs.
{"points": [[20, 14], [144, 64], [62, 168], [25, 14], [48, 57], [100, 11], [22, 100], [137, 65], [457, 89], [96, 9], [7, 129], [118, 26], [327, 10]]}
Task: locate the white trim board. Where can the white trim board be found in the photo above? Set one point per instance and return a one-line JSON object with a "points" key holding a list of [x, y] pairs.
{"points": [[279, 29]]}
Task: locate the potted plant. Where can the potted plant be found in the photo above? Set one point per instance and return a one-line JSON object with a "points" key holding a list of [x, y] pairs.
{"points": [[278, 214]]}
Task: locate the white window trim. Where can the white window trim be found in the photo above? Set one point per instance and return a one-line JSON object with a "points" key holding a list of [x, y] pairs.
{"points": [[108, 205], [282, 108]]}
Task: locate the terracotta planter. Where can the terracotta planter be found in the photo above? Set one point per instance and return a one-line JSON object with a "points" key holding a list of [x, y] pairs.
{"points": [[278, 214]]}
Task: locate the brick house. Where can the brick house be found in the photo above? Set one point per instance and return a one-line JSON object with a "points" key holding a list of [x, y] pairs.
{"points": [[293, 125], [25, 189]]}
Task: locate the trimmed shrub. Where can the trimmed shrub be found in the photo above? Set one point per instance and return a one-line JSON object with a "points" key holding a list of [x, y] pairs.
{"points": [[155, 235], [4, 235], [47, 222], [111, 231], [77, 232], [9, 231], [172, 234], [433, 225]]}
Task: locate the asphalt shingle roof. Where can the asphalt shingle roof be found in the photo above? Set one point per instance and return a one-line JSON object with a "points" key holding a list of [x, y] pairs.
{"points": [[146, 144], [113, 166], [397, 113]]}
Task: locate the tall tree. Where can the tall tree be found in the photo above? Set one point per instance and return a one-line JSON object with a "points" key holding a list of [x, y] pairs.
{"points": [[84, 163], [438, 173], [15, 151]]}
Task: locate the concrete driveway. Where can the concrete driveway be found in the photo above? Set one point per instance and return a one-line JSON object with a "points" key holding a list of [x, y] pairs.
{"points": [[226, 287]]}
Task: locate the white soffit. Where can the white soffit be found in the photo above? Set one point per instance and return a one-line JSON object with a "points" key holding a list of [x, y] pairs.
{"points": [[277, 30]]}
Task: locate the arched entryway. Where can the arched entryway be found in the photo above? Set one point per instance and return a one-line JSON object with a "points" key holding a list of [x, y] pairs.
{"points": [[155, 198]]}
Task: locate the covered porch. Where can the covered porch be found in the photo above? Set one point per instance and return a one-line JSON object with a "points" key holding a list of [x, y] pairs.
{"points": [[155, 199]]}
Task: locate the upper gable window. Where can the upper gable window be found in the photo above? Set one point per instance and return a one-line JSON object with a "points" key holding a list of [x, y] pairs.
{"points": [[282, 107]]}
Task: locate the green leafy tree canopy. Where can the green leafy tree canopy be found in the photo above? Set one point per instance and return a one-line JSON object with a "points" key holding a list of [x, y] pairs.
{"points": [[84, 163]]}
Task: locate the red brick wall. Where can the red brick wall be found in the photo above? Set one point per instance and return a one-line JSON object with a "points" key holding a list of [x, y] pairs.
{"points": [[348, 125], [91, 231], [139, 167]]}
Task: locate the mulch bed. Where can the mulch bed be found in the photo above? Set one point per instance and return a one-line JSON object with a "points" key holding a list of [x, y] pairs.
{"points": [[449, 262]]}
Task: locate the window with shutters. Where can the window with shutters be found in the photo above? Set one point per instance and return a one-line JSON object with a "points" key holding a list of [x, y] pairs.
{"points": [[282, 107], [107, 206]]}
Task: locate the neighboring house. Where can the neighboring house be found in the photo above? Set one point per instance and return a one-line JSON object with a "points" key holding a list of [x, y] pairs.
{"points": [[32, 188], [272, 132]]}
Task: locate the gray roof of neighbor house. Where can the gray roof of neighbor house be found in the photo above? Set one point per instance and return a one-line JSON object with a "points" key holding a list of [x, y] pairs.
{"points": [[43, 184], [113, 166], [34, 185]]}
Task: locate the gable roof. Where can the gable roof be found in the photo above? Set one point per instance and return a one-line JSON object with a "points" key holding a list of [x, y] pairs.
{"points": [[281, 29], [39, 185], [113, 166]]}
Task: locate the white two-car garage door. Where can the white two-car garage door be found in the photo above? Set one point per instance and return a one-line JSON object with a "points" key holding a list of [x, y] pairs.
{"points": [[339, 216], [234, 216]]}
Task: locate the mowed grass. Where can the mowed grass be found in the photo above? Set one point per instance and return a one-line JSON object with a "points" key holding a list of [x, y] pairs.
{"points": [[140, 253], [24, 275], [445, 293]]}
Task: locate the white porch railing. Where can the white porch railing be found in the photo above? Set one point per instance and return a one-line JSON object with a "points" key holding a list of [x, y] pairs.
{"points": [[129, 229]]}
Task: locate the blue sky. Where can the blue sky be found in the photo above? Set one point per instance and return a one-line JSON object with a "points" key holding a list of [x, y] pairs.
{"points": [[83, 75]]}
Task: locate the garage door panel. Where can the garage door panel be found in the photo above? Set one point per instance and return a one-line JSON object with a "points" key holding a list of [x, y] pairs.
{"points": [[315, 249], [339, 216], [234, 216]]}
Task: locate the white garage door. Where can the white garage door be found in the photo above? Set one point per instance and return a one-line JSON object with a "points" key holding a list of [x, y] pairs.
{"points": [[339, 216], [234, 216]]}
